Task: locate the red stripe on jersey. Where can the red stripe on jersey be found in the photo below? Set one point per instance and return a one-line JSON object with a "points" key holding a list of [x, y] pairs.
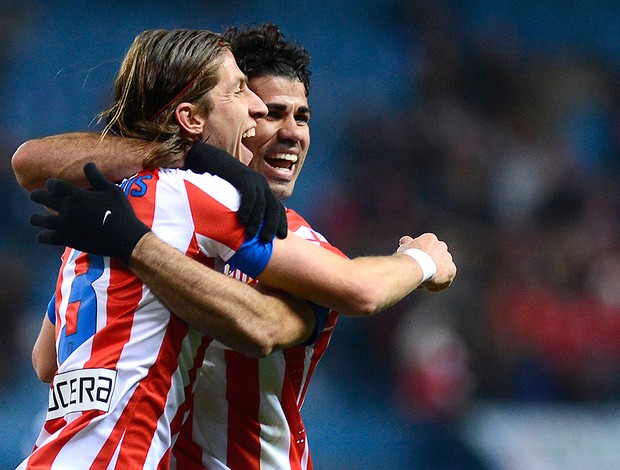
{"points": [[186, 407], [214, 220], [124, 295], [294, 371], [144, 205], [44, 457], [242, 377], [187, 454], [320, 346], [138, 422], [153, 392]]}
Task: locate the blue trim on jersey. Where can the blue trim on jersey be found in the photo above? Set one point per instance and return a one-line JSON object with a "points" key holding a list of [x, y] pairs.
{"points": [[51, 309], [252, 257], [320, 314]]}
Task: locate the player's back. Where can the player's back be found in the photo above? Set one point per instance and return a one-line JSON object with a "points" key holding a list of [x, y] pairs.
{"points": [[126, 363]]}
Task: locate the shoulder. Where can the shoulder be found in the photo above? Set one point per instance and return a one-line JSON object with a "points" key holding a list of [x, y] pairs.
{"points": [[300, 227], [197, 185]]}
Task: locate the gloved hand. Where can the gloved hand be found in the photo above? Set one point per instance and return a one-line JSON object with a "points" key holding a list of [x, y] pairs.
{"points": [[99, 221], [258, 204]]}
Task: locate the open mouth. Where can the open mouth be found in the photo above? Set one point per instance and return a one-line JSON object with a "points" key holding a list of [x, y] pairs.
{"points": [[284, 161]]}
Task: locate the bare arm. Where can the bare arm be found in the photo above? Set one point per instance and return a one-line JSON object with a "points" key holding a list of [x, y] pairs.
{"points": [[238, 315], [359, 286], [44, 352], [64, 155]]}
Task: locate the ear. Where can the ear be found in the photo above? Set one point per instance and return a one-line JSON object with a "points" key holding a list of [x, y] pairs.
{"points": [[189, 119]]}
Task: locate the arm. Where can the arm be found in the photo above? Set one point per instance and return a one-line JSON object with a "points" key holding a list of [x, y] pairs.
{"points": [[44, 352], [235, 313], [359, 286], [64, 156]]}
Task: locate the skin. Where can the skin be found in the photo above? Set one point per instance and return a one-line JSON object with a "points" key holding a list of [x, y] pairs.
{"points": [[235, 111], [284, 130]]}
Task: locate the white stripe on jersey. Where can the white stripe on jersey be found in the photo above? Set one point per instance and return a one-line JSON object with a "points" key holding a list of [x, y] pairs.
{"points": [[151, 351], [224, 430]]}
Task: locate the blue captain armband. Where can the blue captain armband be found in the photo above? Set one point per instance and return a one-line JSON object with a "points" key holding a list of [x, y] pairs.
{"points": [[320, 314], [51, 309], [252, 257]]}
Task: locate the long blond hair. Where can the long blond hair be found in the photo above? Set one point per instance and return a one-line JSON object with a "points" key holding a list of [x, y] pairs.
{"points": [[160, 70]]}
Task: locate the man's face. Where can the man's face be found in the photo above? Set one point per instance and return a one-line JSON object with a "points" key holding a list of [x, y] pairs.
{"points": [[235, 111], [283, 136]]}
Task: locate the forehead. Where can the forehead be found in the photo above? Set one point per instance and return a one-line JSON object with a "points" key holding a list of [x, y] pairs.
{"points": [[230, 75], [280, 90]]}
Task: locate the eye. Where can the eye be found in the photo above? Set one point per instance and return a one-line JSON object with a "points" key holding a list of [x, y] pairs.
{"points": [[302, 118], [241, 88], [274, 114]]}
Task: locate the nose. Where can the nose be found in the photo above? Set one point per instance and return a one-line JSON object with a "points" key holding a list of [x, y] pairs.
{"points": [[256, 107], [291, 130]]}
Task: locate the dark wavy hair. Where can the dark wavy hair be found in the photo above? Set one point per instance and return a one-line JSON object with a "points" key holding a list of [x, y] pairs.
{"points": [[262, 50]]}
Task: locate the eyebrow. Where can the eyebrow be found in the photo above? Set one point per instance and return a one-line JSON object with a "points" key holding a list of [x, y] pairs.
{"points": [[282, 107]]}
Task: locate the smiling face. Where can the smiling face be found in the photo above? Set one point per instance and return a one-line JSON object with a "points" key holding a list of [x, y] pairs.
{"points": [[234, 113], [283, 136]]}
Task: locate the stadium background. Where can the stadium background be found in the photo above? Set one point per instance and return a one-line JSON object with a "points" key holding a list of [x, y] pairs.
{"points": [[494, 124]]}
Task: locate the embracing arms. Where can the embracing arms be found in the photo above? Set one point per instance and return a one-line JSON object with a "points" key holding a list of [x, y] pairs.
{"points": [[357, 287], [64, 156]]}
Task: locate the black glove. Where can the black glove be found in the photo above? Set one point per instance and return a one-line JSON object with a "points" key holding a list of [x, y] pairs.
{"points": [[99, 221], [257, 200]]}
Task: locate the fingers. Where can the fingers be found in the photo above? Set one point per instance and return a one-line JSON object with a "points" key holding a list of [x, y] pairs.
{"points": [[283, 223], [50, 222], [46, 198], [404, 240], [246, 207], [257, 217], [50, 237], [44, 221], [272, 219], [96, 179]]}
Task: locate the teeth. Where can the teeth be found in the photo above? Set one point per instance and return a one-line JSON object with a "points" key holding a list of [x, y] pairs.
{"points": [[249, 133], [285, 156]]}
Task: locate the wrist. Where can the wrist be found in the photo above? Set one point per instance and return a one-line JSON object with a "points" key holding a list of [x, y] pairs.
{"points": [[424, 260]]}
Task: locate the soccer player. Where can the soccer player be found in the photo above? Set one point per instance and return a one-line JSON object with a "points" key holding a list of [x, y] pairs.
{"points": [[198, 193]]}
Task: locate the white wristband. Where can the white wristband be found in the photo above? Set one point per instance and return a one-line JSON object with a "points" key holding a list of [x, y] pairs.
{"points": [[429, 268]]}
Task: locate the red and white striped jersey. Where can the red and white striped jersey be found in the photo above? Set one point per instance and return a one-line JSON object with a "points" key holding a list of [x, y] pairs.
{"points": [[246, 411], [126, 364]]}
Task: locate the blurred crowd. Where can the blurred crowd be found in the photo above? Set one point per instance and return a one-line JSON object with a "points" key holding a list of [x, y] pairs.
{"points": [[512, 158]]}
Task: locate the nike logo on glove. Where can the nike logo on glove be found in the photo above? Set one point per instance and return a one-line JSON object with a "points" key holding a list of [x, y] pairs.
{"points": [[105, 216]]}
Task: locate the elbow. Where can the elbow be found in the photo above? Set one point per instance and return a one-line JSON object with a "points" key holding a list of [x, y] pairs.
{"points": [[257, 344], [45, 373], [365, 301], [258, 349], [45, 376], [23, 167]]}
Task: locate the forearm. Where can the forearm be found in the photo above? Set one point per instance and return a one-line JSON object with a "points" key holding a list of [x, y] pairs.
{"points": [[357, 287], [233, 312], [64, 155]]}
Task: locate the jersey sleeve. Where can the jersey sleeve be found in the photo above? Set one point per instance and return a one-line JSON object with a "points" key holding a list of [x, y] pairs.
{"points": [[213, 205], [320, 314], [51, 309], [298, 225]]}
